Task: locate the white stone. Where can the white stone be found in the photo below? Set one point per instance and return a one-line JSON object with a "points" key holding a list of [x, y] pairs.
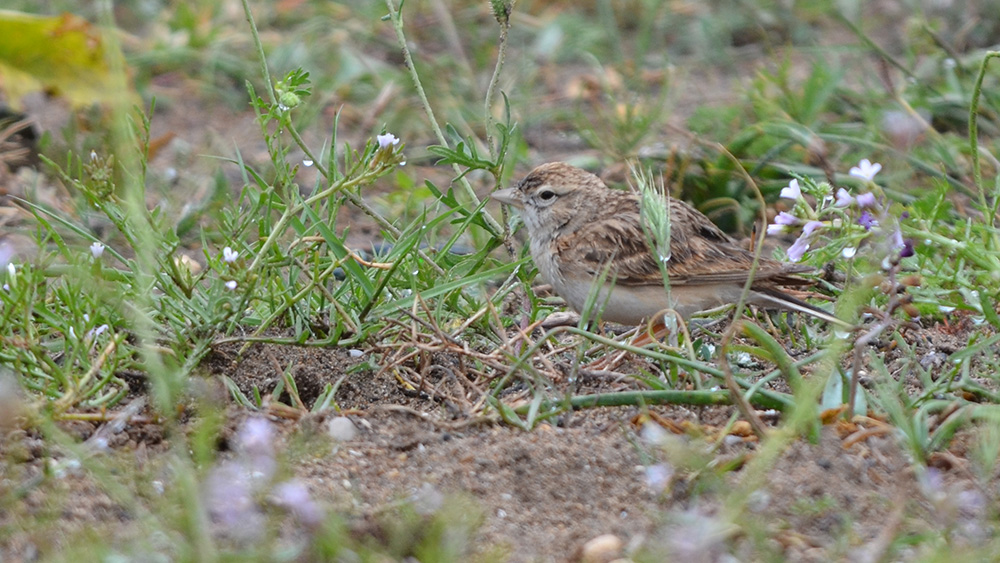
{"points": [[341, 429]]}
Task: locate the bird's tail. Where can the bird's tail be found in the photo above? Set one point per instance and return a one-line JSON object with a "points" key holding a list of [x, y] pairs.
{"points": [[772, 298]]}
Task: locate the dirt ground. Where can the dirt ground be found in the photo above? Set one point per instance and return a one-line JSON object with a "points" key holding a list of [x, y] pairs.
{"points": [[654, 480]]}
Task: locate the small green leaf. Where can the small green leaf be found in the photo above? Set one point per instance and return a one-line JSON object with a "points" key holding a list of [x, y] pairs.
{"points": [[989, 310]]}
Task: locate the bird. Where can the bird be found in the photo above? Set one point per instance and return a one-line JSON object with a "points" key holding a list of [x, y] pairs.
{"points": [[581, 232]]}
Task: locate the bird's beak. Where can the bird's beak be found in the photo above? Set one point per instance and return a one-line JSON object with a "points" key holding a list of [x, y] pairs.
{"points": [[510, 196]]}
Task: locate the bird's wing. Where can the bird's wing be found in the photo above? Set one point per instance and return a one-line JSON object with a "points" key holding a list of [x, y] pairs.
{"points": [[700, 253]]}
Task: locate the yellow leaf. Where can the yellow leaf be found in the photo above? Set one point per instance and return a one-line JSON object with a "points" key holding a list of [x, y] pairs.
{"points": [[62, 55]]}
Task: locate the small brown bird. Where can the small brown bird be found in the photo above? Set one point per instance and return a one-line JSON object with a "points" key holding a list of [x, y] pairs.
{"points": [[578, 227]]}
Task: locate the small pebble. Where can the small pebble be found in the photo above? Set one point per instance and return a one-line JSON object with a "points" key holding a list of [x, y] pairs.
{"points": [[341, 429], [602, 549], [731, 440]]}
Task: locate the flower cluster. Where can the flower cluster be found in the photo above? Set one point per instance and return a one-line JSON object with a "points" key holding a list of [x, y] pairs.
{"points": [[232, 487], [850, 219], [230, 256]]}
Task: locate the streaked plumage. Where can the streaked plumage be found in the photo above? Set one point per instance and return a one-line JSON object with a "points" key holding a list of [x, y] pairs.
{"points": [[577, 225]]}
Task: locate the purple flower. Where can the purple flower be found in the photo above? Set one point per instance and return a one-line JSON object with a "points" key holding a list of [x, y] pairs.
{"points": [[792, 191], [256, 437], [905, 246], [294, 497], [907, 249], [798, 248], [785, 218], [658, 477], [811, 226], [866, 200], [228, 497], [843, 198], [867, 220], [801, 244], [255, 442], [865, 170]]}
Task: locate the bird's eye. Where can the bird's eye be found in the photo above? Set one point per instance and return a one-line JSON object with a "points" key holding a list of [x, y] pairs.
{"points": [[546, 195]]}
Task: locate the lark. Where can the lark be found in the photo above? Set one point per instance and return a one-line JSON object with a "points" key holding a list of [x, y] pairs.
{"points": [[580, 231]]}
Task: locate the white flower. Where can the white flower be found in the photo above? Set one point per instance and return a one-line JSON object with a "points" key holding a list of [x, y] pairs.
{"points": [[865, 170], [849, 252], [386, 141], [231, 285], [229, 255], [792, 191], [96, 250], [95, 332], [6, 253]]}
